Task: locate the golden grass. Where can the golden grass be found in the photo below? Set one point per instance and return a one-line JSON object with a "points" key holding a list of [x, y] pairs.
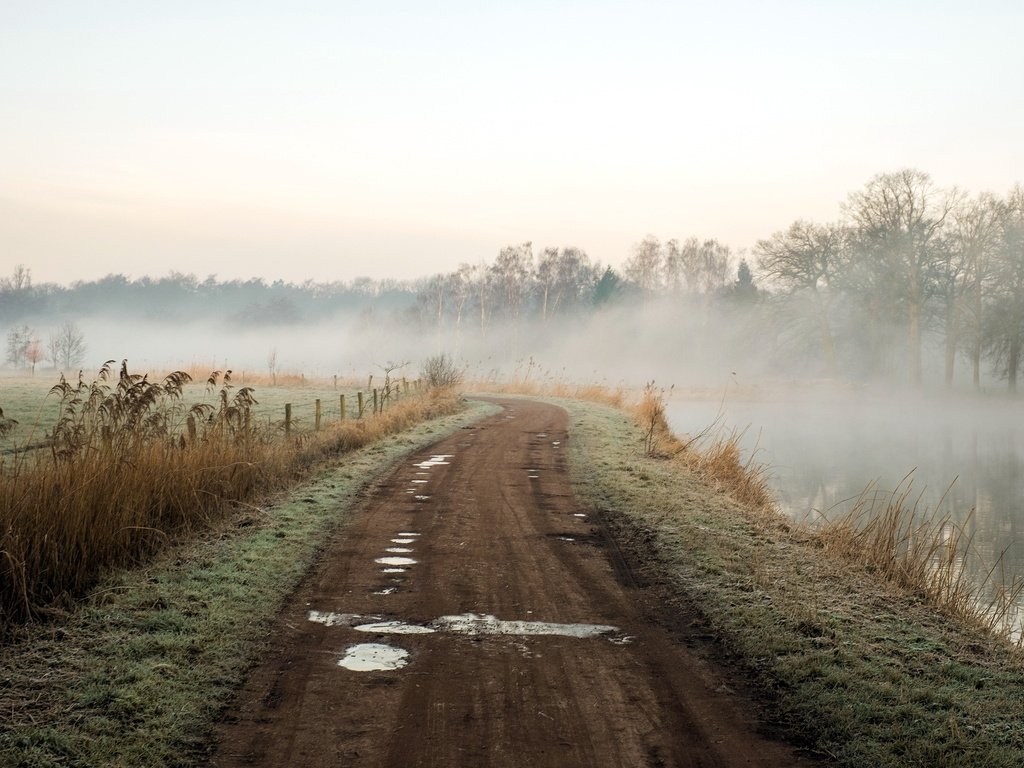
{"points": [[129, 467], [925, 554]]}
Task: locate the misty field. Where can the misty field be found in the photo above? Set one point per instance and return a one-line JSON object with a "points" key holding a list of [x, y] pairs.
{"points": [[118, 465]]}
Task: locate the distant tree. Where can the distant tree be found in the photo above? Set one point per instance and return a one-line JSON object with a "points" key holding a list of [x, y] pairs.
{"points": [[898, 219], [645, 266], [66, 346], [34, 353], [965, 273], [272, 365], [1005, 332], [608, 288], [511, 274], [802, 263], [18, 340], [20, 280]]}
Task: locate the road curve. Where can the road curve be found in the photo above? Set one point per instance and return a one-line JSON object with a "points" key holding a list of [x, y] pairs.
{"points": [[516, 635]]}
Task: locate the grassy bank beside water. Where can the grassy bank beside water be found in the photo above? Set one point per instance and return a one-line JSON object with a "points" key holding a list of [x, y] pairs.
{"points": [[136, 675], [849, 666]]}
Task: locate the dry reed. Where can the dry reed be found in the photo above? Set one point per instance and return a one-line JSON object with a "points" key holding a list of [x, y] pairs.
{"points": [[130, 466]]}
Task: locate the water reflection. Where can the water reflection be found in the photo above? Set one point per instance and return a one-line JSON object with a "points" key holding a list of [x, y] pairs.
{"points": [[822, 453]]}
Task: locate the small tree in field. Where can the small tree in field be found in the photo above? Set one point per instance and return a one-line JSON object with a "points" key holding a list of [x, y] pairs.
{"points": [[66, 346], [34, 354]]}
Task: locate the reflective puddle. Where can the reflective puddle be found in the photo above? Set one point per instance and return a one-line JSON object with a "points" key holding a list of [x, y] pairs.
{"points": [[394, 628], [407, 533], [398, 550], [486, 624], [420, 497], [395, 561], [579, 514], [405, 540], [393, 570], [373, 657], [560, 538], [386, 591], [329, 619]]}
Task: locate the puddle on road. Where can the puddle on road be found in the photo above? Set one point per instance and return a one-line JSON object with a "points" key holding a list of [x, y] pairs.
{"points": [[329, 619], [373, 657], [393, 570], [395, 561], [579, 514], [395, 628], [560, 538], [421, 497], [398, 550], [420, 482], [386, 591], [403, 541], [486, 624], [407, 533]]}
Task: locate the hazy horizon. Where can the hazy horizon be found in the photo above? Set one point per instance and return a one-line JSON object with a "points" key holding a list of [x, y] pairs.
{"points": [[327, 141]]}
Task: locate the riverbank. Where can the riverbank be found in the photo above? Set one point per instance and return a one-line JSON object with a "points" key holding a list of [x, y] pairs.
{"points": [[846, 665]]}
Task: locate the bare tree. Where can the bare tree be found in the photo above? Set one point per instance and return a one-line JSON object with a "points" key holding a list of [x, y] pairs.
{"points": [[66, 346], [966, 271], [34, 353], [18, 340], [802, 262], [272, 365], [1005, 333], [898, 219], [645, 267]]}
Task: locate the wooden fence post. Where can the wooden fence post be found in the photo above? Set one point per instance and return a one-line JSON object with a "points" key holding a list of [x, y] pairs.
{"points": [[317, 417], [191, 422], [342, 407], [359, 396], [375, 411], [287, 419]]}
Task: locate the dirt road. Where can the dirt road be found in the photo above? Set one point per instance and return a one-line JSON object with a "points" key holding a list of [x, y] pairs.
{"points": [[514, 633]]}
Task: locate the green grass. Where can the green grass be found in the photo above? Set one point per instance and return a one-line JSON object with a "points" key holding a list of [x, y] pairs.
{"points": [[137, 675], [847, 665]]}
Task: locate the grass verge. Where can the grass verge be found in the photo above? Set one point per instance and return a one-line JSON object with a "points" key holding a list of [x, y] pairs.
{"points": [[849, 665], [137, 675]]}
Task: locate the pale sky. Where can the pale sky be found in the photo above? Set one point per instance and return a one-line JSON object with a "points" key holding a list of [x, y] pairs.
{"points": [[326, 140]]}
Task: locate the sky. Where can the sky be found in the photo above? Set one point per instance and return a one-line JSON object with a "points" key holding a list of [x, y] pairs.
{"points": [[330, 140]]}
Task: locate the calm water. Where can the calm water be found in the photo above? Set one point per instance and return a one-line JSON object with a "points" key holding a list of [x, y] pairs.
{"points": [[824, 451]]}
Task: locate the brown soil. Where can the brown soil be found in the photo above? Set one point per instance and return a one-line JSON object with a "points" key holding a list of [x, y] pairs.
{"points": [[492, 541]]}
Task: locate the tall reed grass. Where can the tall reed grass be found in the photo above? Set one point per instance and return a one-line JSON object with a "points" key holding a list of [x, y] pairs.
{"points": [[130, 466], [928, 554]]}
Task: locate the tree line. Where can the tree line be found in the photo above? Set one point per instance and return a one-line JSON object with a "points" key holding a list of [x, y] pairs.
{"points": [[908, 273]]}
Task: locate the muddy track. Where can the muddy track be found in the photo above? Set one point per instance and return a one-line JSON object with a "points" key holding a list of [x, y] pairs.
{"points": [[517, 633]]}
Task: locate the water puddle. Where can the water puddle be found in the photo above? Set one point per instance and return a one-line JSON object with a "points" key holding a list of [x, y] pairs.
{"points": [[386, 591], [579, 514], [394, 628], [403, 541], [398, 550], [543, 434], [420, 482], [420, 497], [395, 561], [556, 443], [373, 657], [329, 619], [560, 538], [393, 570], [485, 624], [407, 533]]}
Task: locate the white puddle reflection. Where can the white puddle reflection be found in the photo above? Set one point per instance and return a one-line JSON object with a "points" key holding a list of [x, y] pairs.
{"points": [[395, 561], [485, 624], [420, 497], [420, 482], [398, 550], [373, 657], [403, 541], [386, 591], [560, 538], [393, 570], [335, 619], [579, 514], [395, 628], [407, 533]]}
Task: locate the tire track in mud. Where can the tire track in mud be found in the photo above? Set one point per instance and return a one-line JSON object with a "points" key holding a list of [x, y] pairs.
{"points": [[515, 639]]}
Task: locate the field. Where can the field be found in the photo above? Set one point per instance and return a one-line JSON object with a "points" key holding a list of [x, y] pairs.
{"points": [[106, 472]]}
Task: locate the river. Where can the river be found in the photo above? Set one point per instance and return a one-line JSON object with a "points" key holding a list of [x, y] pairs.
{"points": [[823, 450]]}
